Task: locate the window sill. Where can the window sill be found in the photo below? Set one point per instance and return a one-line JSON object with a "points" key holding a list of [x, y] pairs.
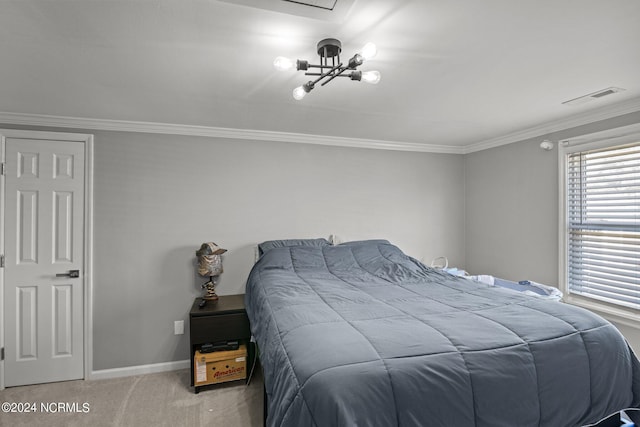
{"points": [[627, 317]]}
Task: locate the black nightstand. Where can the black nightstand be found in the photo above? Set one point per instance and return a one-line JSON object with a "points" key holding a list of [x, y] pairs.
{"points": [[221, 320]]}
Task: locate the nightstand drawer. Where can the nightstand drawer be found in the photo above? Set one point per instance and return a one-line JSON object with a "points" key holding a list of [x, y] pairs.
{"points": [[220, 328]]}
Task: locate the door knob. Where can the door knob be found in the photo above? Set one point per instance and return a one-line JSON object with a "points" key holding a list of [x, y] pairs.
{"points": [[70, 273]]}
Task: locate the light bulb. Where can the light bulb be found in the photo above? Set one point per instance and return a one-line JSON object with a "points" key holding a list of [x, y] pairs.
{"points": [[372, 77], [283, 64], [299, 93], [369, 50]]}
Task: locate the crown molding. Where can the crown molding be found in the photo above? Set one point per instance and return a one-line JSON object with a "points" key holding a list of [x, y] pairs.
{"points": [[614, 110], [217, 132], [585, 118]]}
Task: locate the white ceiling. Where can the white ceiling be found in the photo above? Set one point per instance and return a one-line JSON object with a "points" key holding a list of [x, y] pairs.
{"points": [[455, 73]]}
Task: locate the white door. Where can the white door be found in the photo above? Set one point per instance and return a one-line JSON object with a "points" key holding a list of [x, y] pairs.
{"points": [[43, 244]]}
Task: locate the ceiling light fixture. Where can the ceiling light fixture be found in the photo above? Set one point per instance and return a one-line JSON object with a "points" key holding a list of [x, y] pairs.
{"points": [[330, 66]]}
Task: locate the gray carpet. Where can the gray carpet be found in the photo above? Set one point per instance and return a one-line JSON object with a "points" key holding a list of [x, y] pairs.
{"points": [[164, 399]]}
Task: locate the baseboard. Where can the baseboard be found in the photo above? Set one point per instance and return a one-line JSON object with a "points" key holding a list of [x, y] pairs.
{"points": [[139, 370]]}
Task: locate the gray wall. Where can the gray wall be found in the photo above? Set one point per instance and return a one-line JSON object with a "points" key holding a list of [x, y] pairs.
{"points": [[158, 197], [511, 200], [511, 194], [512, 212]]}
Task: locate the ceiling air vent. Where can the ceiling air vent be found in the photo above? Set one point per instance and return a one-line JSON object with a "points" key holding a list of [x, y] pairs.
{"points": [[325, 10], [593, 96]]}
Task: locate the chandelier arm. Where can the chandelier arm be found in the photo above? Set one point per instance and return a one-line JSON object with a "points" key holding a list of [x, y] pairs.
{"points": [[324, 67], [318, 74], [323, 75], [329, 70], [340, 71]]}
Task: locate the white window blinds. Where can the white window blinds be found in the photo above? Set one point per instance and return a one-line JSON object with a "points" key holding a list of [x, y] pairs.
{"points": [[603, 201]]}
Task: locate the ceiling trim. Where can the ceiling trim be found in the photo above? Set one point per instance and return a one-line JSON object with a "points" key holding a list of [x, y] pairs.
{"points": [[603, 113], [614, 110], [217, 132]]}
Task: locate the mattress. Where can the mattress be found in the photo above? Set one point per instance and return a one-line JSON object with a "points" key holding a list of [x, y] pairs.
{"points": [[360, 334]]}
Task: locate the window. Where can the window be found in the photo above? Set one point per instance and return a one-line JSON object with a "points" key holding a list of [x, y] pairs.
{"points": [[602, 221]]}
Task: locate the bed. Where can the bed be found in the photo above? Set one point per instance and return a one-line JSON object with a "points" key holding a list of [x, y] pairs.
{"points": [[360, 334]]}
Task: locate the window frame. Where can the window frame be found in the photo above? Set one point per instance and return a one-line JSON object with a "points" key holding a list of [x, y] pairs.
{"points": [[604, 139]]}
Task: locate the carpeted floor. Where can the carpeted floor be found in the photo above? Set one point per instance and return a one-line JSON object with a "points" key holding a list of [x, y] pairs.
{"points": [[163, 399]]}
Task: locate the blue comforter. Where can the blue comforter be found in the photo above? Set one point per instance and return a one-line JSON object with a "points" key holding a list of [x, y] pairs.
{"points": [[360, 334]]}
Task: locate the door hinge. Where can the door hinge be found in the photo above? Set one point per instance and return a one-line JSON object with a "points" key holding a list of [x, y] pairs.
{"points": [[2, 353], [2, 168], [1, 261]]}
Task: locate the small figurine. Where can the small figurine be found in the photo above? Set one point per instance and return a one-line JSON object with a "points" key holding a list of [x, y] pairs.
{"points": [[210, 264]]}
